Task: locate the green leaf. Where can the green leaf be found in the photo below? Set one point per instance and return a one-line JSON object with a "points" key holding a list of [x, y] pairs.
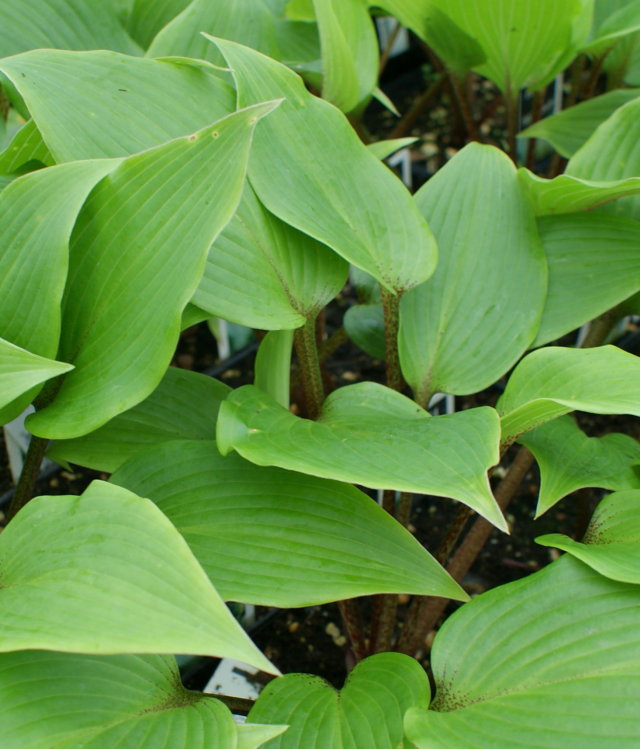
{"points": [[570, 129], [68, 92], [611, 154], [610, 545], [347, 199], [624, 21], [298, 41], [20, 371], [475, 301], [384, 148], [366, 712], [109, 702], [192, 315], [107, 573], [593, 266], [301, 10], [364, 324], [370, 435], [250, 23], [549, 661], [263, 273], [273, 365], [280, 538], [148, 17], [152, 221], [553, 381], [569, 460], [27, 145], [252, 736], [184, 406], [61, 24]]}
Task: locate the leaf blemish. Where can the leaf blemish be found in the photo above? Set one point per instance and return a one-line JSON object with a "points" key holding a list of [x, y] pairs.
{"points": [[215, 135]]}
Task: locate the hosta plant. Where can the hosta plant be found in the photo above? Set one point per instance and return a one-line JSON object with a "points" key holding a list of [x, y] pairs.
{"points": [[163, 176]]}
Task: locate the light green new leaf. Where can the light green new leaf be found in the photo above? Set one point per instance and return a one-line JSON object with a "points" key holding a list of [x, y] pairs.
{"points": [[263, 273], [21, 371], [109, 702], [280, 538], [148, 17], [61, 24], [594, 265], [27, 145], [549, 661], [459, 51], [384, 148], [254, 735], [612, 542], [569, 460], [475, 301], [249, 22], [91, 105], [612, 153], [151, 222], [570, 129], [273, 365], [553, 381], [107, 573], [192, 315], [366, 712], [370, 435], [621, 23], [184, 406], [364, 324], [310, 168]]}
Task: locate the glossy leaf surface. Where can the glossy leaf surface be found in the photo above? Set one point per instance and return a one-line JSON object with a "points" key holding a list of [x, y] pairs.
{"points": [[152, 222], [593, 266], [549, 661], [109, 702], [280, 538], [370, 435], [343, 196], [569, 460], [612, 542], [68, 93], [553, 381], [367, 712], [475, 301], [184, 406], [108, 573]]}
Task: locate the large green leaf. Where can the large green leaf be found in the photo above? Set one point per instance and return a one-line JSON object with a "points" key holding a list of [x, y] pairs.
{"points": [[370, 435], [569, 460], [148, 17], [345, 198], [475, 301], [612, 542], [184, 406], [263, 273], [364, 324], [151, 222], [108, 573], [249, 22], [109, 702], [553, 381], [612, 153], [20, 371], [273, 365], [570, 129], [549, 661], [366, 712], [61, 24], [27, 145], [280, 538], [90, 105], [594, 265], [383, 148], [621, 23]]}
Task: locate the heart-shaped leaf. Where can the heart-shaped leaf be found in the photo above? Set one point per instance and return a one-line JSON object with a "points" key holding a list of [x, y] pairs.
{"points": [[569, 460], [611, 544], [26, 145], [370, 435], [474, 302], [110, 702], [280, 538], [367, 712], [151, 221], [347, 199], [570, 129], [108, 573], [553, 381], [184, 406], [68, 92], [549, 661], [593, 266]]}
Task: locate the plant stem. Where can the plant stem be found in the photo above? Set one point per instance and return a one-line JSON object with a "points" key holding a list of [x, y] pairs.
{"points": [[409, 119], [576, 79], [353, 622], [384, 57], [536, 113], [307, 350], [332, 343], [29, 475], [593, 78], [391, 305], [601, 327], [512, 124], [237, 705], [465, 109]]}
